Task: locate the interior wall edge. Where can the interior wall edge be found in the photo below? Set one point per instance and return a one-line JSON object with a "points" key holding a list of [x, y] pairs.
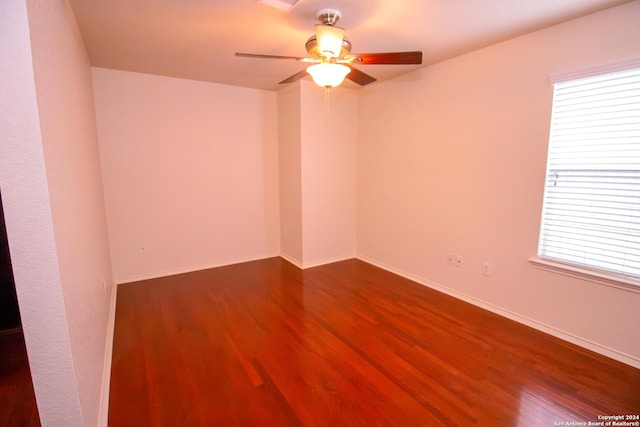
{"points": [[516, 317], [103, 410]]}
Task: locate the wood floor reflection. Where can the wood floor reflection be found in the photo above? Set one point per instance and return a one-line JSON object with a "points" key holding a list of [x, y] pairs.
{"points": [[17, 398], [265, 343]]}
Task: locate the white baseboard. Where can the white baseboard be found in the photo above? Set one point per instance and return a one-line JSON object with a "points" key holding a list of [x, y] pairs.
{"points": [[191, 269], [327, 261], [551, 330], [291, 260], [305, 265], [103, 411]]}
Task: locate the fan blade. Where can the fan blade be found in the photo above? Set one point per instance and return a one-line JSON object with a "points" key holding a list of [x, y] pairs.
{"points": [[359, 77], [254, 55], [413, 57], [296, 76]]}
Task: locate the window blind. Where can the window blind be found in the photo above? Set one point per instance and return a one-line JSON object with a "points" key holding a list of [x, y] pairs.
{"points": [[591, 209]]}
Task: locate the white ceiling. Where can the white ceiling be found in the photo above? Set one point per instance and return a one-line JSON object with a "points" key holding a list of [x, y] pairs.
{"points": [[197, 39]]}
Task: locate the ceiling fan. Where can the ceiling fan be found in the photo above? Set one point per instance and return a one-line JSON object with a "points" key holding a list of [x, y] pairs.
{"points": [[330, 54]]}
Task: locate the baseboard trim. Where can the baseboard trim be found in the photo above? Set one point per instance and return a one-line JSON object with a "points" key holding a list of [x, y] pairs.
{"points": [[305, 265], [191, 269], [103, 411], [548, 329], [291, 260], [297, 263], [327, 261]]}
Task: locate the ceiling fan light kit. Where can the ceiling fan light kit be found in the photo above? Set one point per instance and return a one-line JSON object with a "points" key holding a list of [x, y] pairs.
{"points": [[328, 75], [330, 51]]}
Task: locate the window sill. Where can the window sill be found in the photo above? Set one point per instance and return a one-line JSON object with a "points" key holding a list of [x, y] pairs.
{"points": [[602, 278]]}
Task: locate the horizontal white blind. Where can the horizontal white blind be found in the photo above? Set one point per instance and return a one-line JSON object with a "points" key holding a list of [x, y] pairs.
{"points": [[591, 212]]}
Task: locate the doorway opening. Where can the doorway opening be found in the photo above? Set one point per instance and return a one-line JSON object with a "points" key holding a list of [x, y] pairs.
{"points": [[16, 387]]}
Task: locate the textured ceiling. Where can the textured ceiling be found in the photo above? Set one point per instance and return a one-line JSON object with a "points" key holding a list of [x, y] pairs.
{"points": [[197, 39]]}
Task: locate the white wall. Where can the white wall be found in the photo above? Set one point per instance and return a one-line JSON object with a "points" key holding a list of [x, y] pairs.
{"points": [[290, 173], [452, 160], [58, 270], [190, 173], [69, 139], [328, 159], [317, 149]]}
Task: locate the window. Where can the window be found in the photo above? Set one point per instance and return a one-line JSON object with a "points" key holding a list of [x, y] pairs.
{"points": [[591, 209]]}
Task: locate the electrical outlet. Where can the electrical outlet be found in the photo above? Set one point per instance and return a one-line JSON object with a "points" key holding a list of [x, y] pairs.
{"points": [[458, 261], [486, 268]]}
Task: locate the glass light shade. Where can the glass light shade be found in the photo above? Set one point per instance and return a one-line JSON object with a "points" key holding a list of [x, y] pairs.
{"points": [[328, 75], [329, 39]]}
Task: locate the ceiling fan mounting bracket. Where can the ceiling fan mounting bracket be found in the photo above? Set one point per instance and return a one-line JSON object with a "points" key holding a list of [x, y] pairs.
{"points": [[329, 16]]}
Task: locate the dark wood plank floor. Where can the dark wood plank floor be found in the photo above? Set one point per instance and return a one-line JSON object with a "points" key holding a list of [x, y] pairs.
{"points": [[266, 344], [17, 399]]}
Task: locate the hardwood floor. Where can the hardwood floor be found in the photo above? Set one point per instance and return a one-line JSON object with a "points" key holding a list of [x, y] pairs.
{"points": [[17, 399], [264, 343]]}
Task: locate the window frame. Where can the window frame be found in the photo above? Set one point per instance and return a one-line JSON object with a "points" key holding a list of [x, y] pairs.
{"points": [[594, 275]]}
